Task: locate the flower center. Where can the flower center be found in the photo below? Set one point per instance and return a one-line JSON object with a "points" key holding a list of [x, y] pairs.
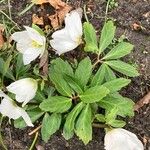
{"points": [[79, 40], [35, 44]]}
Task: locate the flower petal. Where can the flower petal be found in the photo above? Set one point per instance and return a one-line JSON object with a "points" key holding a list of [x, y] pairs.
{"points": [[121, 139], [73, 25], [35, 36], [31, 54], [62, 46], [25, 89], [26, 117]]}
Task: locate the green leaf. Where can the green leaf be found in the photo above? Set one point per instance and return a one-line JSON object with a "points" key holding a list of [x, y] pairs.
{"points": [[116, 84], [124, 105], [68, 129], [60, 84], [38, 29], [94, 94], [119, 51], [57, 104], [100, 118], [117, 123], [62, 67], [107, 35], [50, 125], [123, 68], [39, 97], [9, 73], [20, 68], [109, 74], [73, 84], [84, 125], [90, 37], [84, 71], [6, 65], [99, 76], [34, 114]]}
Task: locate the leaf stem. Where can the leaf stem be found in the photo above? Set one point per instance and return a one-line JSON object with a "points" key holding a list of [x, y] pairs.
{"points": [[34, 141], [96, 125], [106, 12], [84, 9]]}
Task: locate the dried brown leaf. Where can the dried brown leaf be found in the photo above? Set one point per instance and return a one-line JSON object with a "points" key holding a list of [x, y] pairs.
{"points": [[1, 35], [142, 102], [37, 20]]}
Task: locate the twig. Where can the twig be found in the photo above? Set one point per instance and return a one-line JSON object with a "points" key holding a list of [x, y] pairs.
{"points": [[35, 130], [34, 141], [142, 102]]}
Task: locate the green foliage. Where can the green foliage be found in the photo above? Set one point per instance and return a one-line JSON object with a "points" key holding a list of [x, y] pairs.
{"points": [[50, 124], [56, 104], [84, 125], [72, 96]]}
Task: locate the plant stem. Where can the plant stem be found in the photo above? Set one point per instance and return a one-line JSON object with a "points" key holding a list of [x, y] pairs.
{"points": [[106, 12], [34, 141], [84, 9], [96, 125], [1, 139]]}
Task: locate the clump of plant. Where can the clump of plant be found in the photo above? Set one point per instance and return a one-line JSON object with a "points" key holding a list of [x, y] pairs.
{"points": [[74, 97]]}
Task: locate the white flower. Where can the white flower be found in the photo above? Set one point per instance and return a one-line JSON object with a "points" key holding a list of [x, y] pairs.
{"points": [[9, 108], [69, 38], [30, 43], [25, 89], [121, 139]]}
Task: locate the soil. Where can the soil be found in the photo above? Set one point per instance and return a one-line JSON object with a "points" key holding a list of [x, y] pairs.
{"points": [[127, 15]]}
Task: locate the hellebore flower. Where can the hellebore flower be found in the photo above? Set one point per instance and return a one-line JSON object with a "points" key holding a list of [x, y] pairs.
{"points": [[9, 108], [30, 43], [121, 139], [24, 89], [68, 38]]}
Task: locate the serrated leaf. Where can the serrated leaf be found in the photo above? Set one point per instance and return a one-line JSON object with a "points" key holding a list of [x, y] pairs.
{"points": [[119, 51], [124, 105], [90, 37], [50, 125], [62, 67], [84, 125], [123, 68], [73, 84], [83, 72], [99, 76], [34, 114], [107, 35], [60, 84], [68, 129], [94, 94], [109, 75], [116, 84], [100, 117], [57, 104]]}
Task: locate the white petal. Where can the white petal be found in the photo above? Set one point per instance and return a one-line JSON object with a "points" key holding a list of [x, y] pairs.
{"points": [[62, 46], [26, 117], [19, 36], [35, 36], [73, 25], [121, 139], [9, 108], [25, 89], [31, 54]]}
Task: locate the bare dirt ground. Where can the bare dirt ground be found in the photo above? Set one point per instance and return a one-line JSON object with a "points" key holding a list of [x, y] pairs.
{"points": [[127, 16]]}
